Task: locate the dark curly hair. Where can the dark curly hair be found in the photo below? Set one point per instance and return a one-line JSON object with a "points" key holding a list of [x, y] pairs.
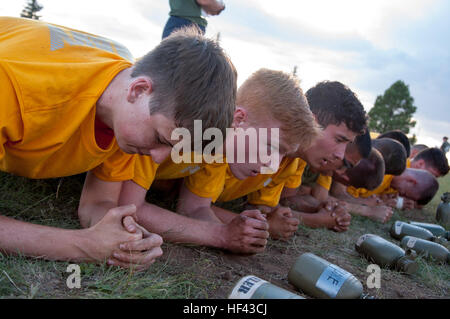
{"points": [[364, 144], [334, 103], [399, 136], [394, 155], [435, 158]]}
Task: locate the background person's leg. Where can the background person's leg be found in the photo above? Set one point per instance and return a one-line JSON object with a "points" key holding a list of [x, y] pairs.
{"points": [[174, 23]]}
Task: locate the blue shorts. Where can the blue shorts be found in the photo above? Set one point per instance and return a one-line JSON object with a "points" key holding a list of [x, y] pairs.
{"points": [[176, 22]]}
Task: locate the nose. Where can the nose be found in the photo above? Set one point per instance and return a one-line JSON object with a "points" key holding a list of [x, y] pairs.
{"points": [[340, 151], [160, 154]]}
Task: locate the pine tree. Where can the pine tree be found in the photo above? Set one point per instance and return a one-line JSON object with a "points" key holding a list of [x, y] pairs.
{"points": [[393, 110], [31, 9]]}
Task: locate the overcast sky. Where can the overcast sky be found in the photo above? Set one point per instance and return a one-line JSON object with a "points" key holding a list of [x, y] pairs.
{"points": [[367, 45]]}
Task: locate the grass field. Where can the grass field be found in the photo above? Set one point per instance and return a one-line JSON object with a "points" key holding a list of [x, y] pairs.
{"points": [[189, 272]]}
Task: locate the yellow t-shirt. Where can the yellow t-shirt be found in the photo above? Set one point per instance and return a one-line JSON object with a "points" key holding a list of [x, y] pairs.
{"points": [[216, 181], [384, 188], [146, 170], [324, 181], [50, 80], [294, 173], [289, 175], [209, 181]]}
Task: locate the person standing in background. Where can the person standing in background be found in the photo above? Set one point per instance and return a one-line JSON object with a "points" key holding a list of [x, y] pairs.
{"points": [[189, 12], [445, 147]]}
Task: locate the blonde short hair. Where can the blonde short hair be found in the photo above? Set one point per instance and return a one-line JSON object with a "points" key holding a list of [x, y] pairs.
{"points": [[270, 94]]}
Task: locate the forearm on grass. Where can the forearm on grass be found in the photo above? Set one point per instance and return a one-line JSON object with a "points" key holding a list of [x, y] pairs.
{"points": [[97, 197], [358, 209], [176, 228], [319, 192], [225, 215], [311, 220], [92, 213], [18, 237], [304, 203], [194, 206]]}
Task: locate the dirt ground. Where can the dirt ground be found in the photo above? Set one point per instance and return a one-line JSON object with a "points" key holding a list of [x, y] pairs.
{"points": [[222, 270]]}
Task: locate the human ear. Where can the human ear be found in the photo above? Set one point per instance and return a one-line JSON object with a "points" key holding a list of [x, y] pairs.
{"points": [[240, 117], [138, 86], [421, 164], [411, 180]]}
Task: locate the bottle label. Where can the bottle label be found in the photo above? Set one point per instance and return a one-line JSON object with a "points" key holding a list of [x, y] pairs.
{"points": [[398, 228], [411, 242], [331, 280], [246, 287]]}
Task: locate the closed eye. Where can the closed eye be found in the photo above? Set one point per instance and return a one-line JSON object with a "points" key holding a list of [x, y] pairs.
{"points": [[347, 164], [162, 141], [342, 139]]}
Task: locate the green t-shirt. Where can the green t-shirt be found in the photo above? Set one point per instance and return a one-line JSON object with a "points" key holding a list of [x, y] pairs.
{"points": [[309, 178], [188, 9], [445, 147]]}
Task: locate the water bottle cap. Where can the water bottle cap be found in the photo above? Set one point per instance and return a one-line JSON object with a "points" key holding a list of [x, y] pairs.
{"points": [[440, 240], [410, 253], [446, 235], [445, 197], [407, 265]]}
